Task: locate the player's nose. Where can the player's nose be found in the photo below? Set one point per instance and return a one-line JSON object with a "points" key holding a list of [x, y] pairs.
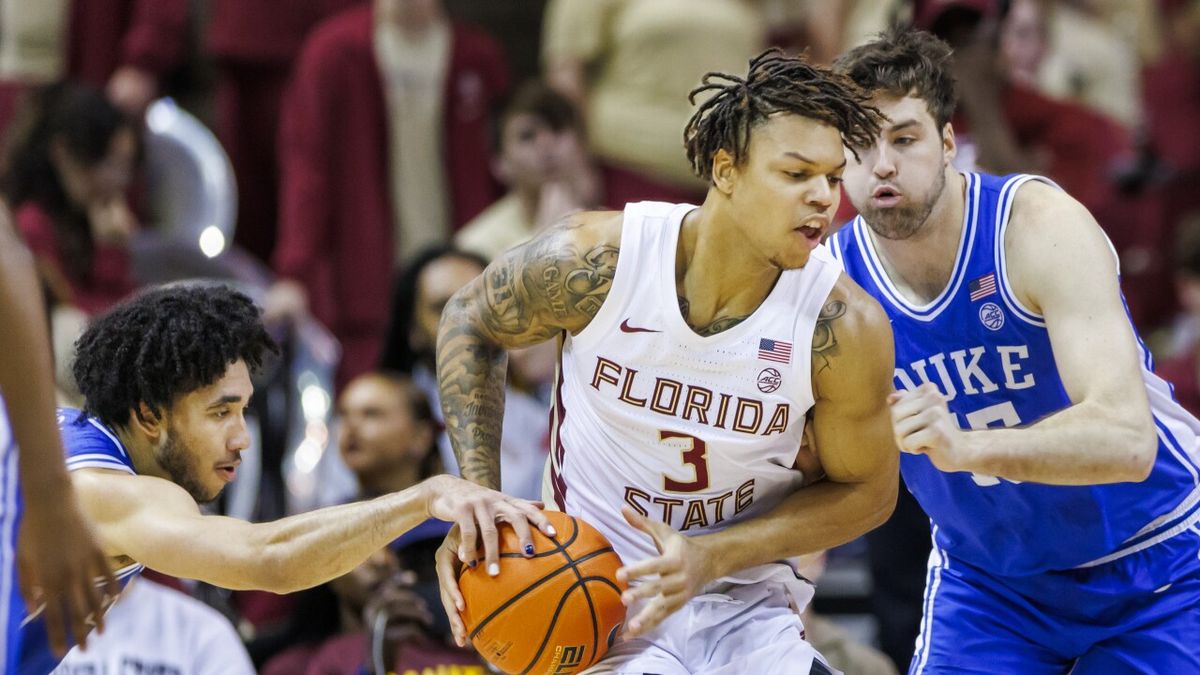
{"points": [[240, 440], [882, 163]]}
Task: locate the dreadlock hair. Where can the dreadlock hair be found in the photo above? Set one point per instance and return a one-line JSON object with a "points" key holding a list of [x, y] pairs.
{"points": [[904, 62], [164, 344], [775, 84]]}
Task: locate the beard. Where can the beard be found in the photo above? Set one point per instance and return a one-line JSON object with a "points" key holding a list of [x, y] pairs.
{"points": [[903, 222], [176, 460]]}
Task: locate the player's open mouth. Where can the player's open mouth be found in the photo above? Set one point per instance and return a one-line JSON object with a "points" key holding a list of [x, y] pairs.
{"points": [[885, 196], [813, 228], [810, 232], [228, 471]]}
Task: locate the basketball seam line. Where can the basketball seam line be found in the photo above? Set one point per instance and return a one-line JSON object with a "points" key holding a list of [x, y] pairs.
{"points": [[507, 603], [582, 582], [539, 582]]}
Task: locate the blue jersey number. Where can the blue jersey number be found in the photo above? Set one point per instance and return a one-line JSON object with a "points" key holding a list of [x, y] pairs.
{"points": [[1002, 415]]}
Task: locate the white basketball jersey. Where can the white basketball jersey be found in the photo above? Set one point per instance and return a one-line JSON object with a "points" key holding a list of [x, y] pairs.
{"points": [[698, 432]]}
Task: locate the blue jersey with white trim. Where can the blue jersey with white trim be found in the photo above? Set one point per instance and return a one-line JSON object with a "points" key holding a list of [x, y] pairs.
{"points": [[992, 358], [89, 445]]}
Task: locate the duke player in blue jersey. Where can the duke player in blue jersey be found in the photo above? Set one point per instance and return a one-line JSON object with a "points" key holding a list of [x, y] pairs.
{"points": [[1060, 476], [57, 555], [166, 380]]}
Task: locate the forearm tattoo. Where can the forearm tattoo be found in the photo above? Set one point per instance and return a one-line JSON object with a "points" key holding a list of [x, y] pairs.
{"points": [[824, 345], [526, 296]]}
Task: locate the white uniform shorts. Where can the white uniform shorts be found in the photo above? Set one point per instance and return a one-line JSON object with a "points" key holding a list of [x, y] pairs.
{"points": [[745, 629]]}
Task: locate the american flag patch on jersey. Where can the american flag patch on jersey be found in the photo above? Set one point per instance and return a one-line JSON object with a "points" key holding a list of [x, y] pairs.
{"points": [[775, 350], [982, 287]]}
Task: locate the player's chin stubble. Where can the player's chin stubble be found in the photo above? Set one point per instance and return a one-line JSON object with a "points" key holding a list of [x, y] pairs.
{"points": [[175, 459], [903, 222]]}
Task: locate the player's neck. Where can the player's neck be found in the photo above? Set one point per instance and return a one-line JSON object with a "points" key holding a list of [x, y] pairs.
{"points": [[141, 452], [922, 264], [530, 199], [716, 271]]}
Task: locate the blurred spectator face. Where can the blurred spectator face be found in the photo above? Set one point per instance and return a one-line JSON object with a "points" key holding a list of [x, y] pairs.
{"points": [[1187, 288], [378, 433], [438, 281], [897, 181], [532, 152], [101, 181], [1023, 39], [357, 586]]}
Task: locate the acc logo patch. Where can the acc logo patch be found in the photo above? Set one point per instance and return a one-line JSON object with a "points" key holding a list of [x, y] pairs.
{"points": [[991, 316], [769, 380]]}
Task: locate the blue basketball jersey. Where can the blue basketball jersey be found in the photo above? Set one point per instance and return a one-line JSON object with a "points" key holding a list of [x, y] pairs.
{"points": [[25, 649], [991, 356]]}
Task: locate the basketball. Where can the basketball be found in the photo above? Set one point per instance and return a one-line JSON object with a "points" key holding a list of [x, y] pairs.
{"points": [[556, 612]]}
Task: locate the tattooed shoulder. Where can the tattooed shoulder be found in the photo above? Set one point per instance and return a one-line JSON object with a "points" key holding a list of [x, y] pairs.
{"points": [[558, 281], [825, 343]]}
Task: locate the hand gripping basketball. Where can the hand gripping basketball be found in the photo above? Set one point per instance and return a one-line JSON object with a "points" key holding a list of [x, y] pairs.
{"points": [[555, 611]]}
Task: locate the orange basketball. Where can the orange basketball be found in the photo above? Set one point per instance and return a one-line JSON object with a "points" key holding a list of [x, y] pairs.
{"points": [[557, 612]]}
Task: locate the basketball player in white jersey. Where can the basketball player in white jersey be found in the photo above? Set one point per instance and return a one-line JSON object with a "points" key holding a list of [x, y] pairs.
{"points": [[694, 342], [59, 558]]}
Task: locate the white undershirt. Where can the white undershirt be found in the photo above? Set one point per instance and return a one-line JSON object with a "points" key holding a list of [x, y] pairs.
{"points": [[155, 629], [414, 70]]}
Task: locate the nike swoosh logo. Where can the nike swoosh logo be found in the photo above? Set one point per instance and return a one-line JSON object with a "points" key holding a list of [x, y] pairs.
{"points": [[626, 328]]}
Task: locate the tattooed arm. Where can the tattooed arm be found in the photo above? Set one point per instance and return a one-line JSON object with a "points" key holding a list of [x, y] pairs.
{"points": [[554, 283], [852, 365]]}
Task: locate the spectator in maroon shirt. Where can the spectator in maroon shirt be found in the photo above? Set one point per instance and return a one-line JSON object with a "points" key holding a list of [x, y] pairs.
{"points": [[253, 44], [72, 158], [341, 235], [376, 594]]}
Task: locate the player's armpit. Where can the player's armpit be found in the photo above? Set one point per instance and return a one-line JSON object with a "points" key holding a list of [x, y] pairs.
{"points": [[853, 361]]}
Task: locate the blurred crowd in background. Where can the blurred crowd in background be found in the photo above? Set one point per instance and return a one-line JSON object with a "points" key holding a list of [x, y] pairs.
{"points": [[352, 163]]}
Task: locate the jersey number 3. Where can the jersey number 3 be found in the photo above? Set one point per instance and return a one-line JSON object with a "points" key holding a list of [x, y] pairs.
{"points": [[695, 455]]}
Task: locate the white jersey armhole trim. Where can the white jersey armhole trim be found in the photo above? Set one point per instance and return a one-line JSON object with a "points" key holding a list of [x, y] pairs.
{"points": [[634, 219], [805, 326], [966, 244]]}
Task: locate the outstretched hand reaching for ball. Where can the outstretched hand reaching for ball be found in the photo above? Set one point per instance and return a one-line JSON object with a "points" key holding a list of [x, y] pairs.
{"points": [[475, 512], [682, 568]]}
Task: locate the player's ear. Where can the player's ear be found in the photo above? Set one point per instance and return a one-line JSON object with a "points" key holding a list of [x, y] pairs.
{"points": [[147, 420], [724, 171], [949, 144]]}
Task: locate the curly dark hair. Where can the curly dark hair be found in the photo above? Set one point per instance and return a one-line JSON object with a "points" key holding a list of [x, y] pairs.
{"points": [[163, 344], [774, 84], [904, 62]]}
